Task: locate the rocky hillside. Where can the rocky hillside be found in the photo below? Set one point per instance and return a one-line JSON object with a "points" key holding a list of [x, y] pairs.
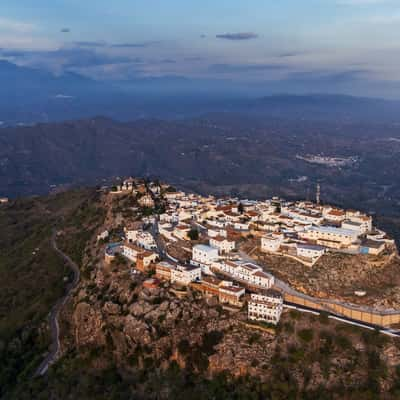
{"points": [[160, 345], [338, 276], [123, 340]]}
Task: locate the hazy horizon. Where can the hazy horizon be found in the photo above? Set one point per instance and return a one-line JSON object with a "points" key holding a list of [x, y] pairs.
{"points": [[335, 46]]}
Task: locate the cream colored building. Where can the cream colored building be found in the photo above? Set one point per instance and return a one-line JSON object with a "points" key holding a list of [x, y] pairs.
{"points": [[185, 274], [222, 244], [267, 307], [329, 236]]}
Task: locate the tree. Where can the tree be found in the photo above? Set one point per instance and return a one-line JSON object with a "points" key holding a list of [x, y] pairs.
{"points": [[193, 234], [241, 208]]}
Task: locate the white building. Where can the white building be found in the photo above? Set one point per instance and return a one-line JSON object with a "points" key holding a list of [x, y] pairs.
{"points": [[131, 235], [354, 226], [267, 307], [222, 244], [249, 273], [204, 255], [146, 240], [131, 251], [333, 214], [364, 220], [313, 252], [329, 236], [272, 243], [185, 274], [231, 294], [212, 233]]}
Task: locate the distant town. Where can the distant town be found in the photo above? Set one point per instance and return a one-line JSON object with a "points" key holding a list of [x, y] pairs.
{"points": [[194, 241]]}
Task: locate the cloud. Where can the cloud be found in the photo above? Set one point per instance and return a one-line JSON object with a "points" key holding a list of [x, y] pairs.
{"points": [[132, 45], [65, 30], [237, 36], [11, 25], [67, 57], [90, 44], [329, 76], [234, 68], [291, 54]]}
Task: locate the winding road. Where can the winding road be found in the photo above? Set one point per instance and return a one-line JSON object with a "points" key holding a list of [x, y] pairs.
{"points": [[52, 356]]}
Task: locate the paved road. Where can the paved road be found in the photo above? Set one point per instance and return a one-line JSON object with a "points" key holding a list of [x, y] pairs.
{"points": [[284, 287], [55, 311], [157, 238], [287, 289]]}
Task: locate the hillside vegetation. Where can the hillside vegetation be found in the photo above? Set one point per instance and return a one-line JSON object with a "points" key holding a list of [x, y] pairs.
{"points": [[32, 276]]}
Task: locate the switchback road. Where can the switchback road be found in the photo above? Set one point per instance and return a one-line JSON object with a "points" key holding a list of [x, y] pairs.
{"points": [[55, 311]]}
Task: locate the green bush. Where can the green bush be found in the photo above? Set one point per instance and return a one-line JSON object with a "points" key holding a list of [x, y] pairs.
{"points": [[306, 335]]}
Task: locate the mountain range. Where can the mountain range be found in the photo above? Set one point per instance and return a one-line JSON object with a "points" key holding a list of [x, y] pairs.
{"points": [[32, 95]]}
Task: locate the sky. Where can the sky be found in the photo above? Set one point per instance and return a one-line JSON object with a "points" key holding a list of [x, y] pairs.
{"points": [[356, 42]]}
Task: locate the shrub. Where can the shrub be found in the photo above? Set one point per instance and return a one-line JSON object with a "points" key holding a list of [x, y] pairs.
{"points": [[324, 318], [343, 342], [193, 234], [254, 338], [211, 339], [184, 347], [306, 335]]}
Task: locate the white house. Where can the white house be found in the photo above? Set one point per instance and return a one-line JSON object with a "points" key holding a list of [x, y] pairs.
{"points": [[131, 235], [247, 272], [272, 243], [231, 294], [131, 251], [364, 220], [241, 226], [310, 251], [204, 254], [146, 240], [212, 233], [267, 307], [261, 278], [330, 236], [333, 214], [354, 226], [222, 244], [185, 274]]}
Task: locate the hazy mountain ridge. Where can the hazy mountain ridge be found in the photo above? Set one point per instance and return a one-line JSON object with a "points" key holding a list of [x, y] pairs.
{"points": [[221, 153], [33, 95]]}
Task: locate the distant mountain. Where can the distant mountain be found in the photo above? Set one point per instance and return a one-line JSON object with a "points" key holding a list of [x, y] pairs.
{"points": [[223, 153], [326, 107], [24, 83], [30, 95]]}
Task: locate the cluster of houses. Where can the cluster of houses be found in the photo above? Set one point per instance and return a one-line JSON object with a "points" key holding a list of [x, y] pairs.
{"points": [[306, 231], [301, 230], [266, 306]]}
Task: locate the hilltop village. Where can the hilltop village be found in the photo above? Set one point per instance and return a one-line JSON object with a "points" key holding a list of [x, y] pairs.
{"points": [[197, 242]]}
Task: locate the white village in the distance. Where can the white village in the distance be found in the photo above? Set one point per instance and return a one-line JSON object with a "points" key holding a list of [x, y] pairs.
{"points": [[196, 242]]}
